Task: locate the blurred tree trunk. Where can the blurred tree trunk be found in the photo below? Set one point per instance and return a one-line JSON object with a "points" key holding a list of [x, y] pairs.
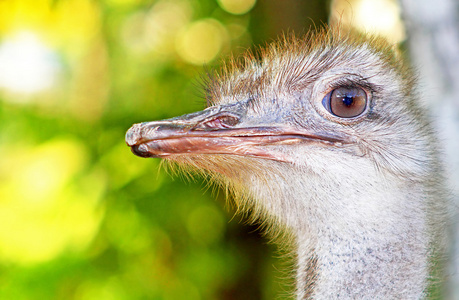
{"points": [[433, 40], [280, 17]]}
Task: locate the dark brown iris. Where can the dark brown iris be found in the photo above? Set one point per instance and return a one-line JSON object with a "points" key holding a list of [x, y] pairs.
{"points": [[346, 102]]}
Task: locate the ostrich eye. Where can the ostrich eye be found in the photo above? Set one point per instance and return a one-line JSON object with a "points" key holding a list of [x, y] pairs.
{"points": [[346, 102]]}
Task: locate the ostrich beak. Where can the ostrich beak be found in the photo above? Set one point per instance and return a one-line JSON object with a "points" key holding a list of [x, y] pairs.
{"points": [[213, 131]]}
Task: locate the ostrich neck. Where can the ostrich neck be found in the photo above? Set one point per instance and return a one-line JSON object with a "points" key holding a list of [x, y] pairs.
{"points": [[354, 241], [372, 255], [339, 264]]}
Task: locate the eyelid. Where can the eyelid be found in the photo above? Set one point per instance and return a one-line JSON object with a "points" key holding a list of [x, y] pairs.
{"points": [[368, 87]]}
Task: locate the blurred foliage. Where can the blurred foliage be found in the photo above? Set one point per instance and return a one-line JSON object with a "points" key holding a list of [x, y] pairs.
{"points": [[83, 218]]}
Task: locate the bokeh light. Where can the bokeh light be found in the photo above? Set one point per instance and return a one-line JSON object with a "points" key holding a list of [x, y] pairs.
{"points": [[155, 30], [40, 208], [237, 7], [26, 64], [381, 17], [201, 41]]}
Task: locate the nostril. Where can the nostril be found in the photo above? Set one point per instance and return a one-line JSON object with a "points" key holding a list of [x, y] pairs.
{"points": [[229, 121], [141, 150], [219, 122]]}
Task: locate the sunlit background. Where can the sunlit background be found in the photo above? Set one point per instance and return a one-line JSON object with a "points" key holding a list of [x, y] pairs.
{"points": [[80, 216]]}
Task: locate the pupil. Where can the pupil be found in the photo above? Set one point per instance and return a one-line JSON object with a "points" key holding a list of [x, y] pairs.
{"points": [[348, 100]]}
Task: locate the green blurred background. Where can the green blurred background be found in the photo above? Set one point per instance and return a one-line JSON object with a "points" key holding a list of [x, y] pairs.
{"points": [[80, 216]]}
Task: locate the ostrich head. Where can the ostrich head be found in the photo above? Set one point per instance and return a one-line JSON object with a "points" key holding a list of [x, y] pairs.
{"points": [[322, 138]]}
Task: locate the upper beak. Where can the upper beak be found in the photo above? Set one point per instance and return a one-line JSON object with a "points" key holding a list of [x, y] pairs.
{"points": [[212, 131]]}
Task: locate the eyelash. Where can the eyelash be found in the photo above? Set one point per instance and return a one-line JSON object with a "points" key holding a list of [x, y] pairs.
{"points": [[350, 83]]}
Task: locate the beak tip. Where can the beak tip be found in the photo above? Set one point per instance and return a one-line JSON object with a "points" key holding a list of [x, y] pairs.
{"points": [[133, 135], [141, 150]]}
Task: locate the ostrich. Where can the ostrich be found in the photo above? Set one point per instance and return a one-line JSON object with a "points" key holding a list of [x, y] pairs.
{"points": [[323, 139]]}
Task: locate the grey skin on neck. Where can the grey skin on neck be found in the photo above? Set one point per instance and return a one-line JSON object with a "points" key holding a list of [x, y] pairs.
{"points": [[324, 141]]}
